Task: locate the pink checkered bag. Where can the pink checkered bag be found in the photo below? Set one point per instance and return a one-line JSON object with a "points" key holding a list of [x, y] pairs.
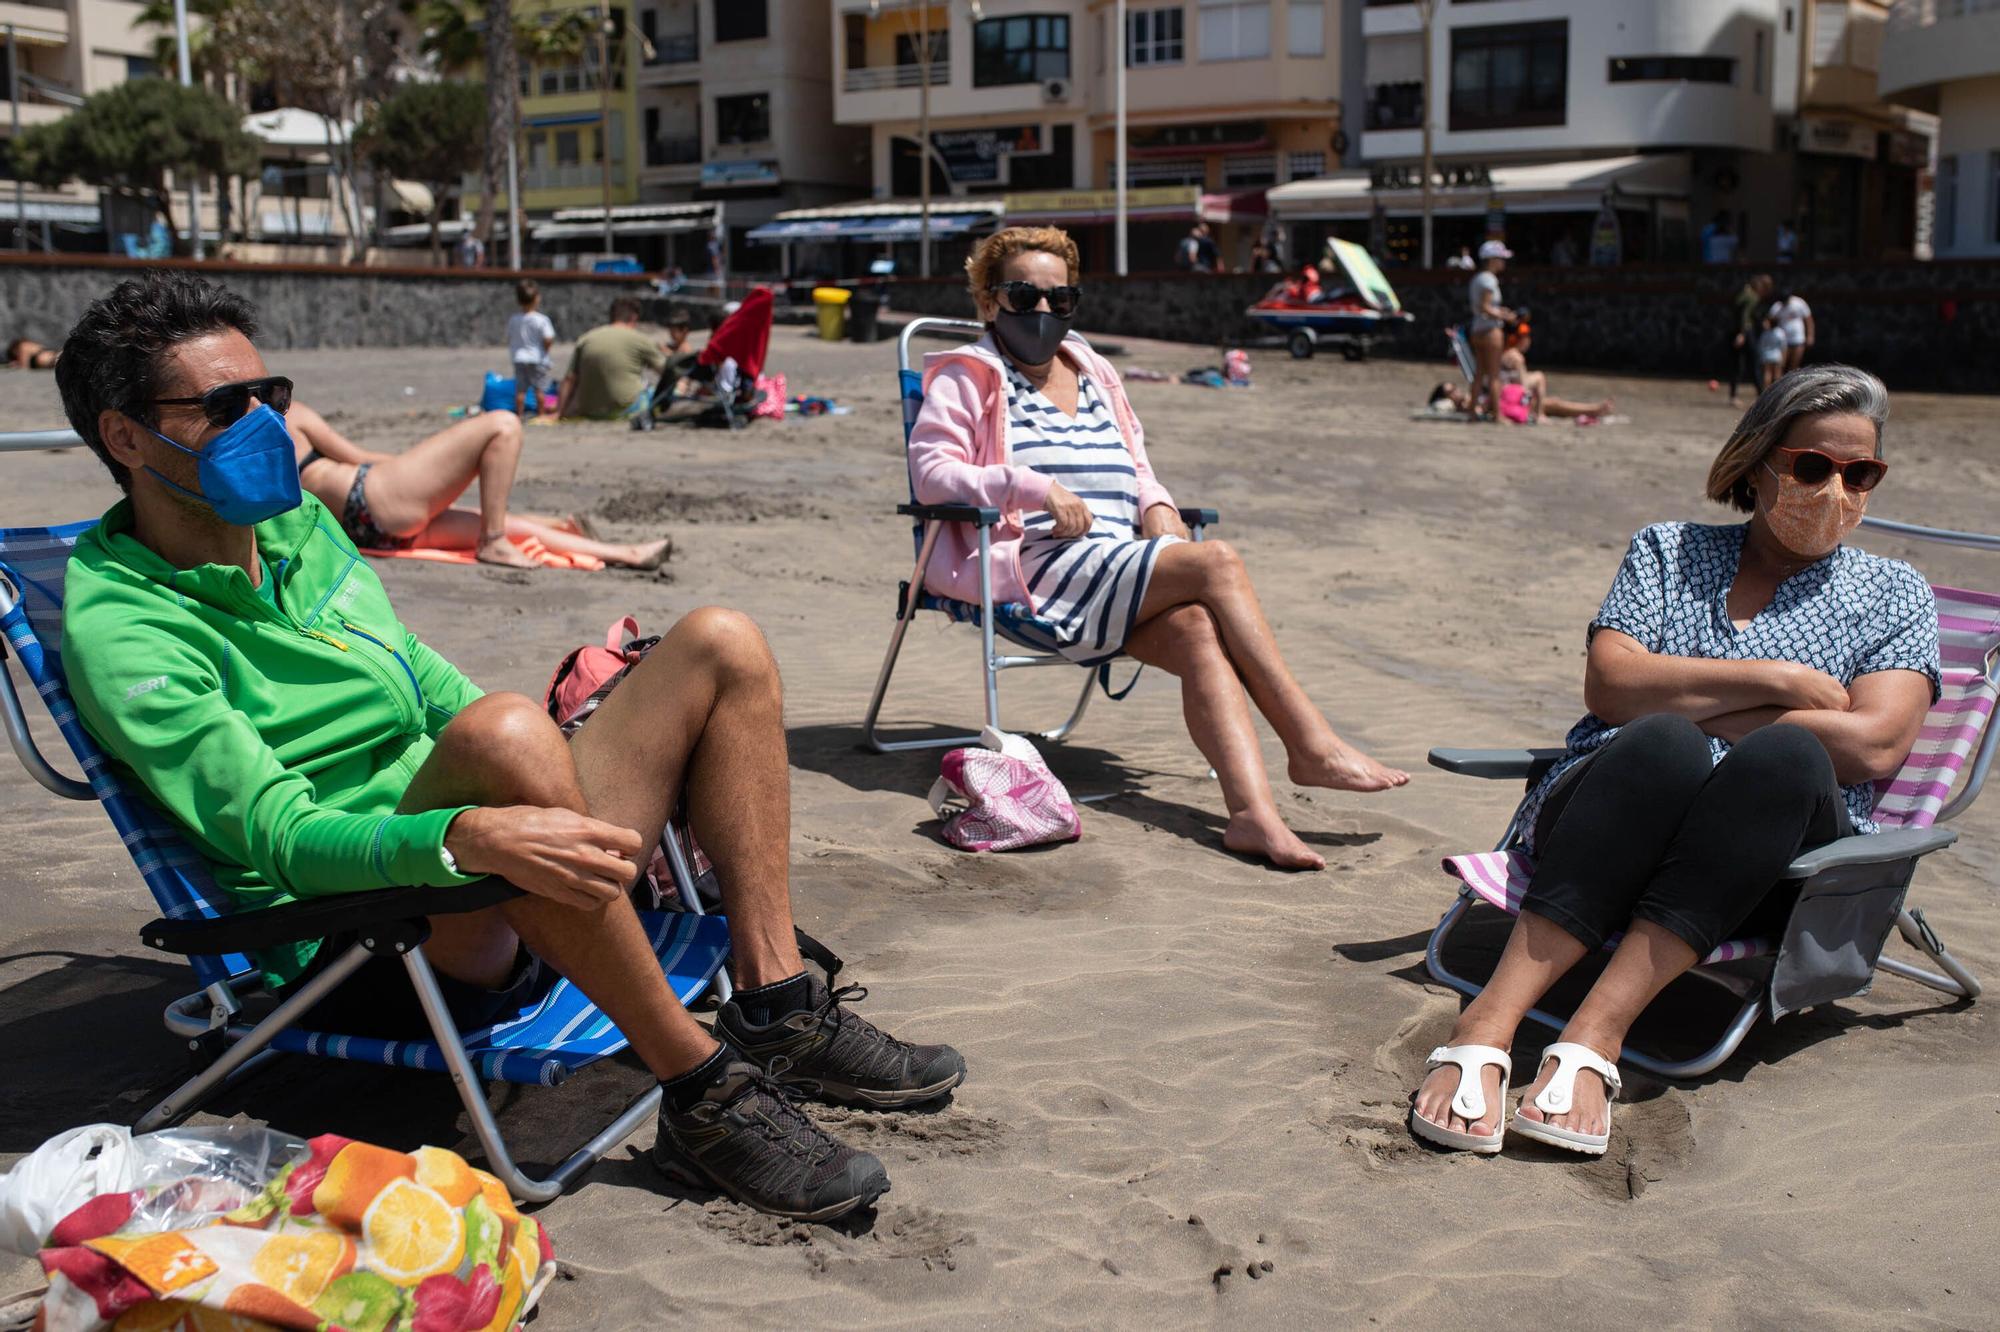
{"points": [[1011, 798]]}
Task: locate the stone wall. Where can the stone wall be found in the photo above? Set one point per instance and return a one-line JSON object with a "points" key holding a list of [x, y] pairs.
{"points": [[1918, 325], [311, 305]]}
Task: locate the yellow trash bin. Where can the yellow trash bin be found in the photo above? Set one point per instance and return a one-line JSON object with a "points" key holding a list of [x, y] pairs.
{"points": [[832, 310]]}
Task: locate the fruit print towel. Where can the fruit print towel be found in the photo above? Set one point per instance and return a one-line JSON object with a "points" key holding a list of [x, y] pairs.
{"points": [[350, 1236]]}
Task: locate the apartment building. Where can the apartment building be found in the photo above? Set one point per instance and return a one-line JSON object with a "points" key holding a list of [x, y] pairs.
{"points": [[1224, 98], [1943, 57], [62, 50], [1562, 122]]}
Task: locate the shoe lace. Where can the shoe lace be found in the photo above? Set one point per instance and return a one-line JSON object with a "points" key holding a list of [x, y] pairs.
{"points": [[830, 1012], [790, 1130]]}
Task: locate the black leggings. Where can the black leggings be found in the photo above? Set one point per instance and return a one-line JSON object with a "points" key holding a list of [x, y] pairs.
{"points": [[1647, 828], [1742, 362]]}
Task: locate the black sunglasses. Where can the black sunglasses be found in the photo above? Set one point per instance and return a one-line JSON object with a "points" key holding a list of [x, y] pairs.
{"points": [[225, 404], [1023, 297], [1810, 467]]}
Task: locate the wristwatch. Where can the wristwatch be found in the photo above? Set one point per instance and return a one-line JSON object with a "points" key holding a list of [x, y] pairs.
{"points": [[450, 860]]}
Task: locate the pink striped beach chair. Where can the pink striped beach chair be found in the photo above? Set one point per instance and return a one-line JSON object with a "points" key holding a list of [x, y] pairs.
{"points": [[1853, 891]]}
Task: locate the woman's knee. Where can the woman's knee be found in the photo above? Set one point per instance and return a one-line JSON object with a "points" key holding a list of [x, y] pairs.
{"points": [[1781, 752], [1670, 746], [1189, 637]]}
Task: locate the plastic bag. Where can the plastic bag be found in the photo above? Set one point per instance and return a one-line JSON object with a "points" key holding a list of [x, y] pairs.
{"points": [[217, 1169], [1012, 799]]}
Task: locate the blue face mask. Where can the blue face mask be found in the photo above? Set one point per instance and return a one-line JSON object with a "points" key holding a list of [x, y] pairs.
{"points": [[248, 473]]}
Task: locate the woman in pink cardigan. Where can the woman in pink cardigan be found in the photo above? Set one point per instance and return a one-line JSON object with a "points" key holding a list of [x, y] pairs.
{"points": [[1032, 422]]}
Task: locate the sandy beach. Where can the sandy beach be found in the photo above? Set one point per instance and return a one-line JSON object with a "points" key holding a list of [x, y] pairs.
{"points": [[1188, 1072]]}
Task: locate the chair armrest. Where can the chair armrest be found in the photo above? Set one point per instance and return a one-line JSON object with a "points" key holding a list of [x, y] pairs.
{"points": [[952, 513], [320, 917], [1895, 844], [1199, 517], [1519, 764]]}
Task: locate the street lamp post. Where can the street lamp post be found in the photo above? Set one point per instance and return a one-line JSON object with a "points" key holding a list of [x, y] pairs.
{"points": [[924, 135], [187, 80], [604, 121], [14, 114], [1425, 9], [1118, 146]]}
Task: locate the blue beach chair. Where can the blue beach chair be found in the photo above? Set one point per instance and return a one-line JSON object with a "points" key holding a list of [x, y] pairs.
{"points": [[541, 1045], [1009, 620]]}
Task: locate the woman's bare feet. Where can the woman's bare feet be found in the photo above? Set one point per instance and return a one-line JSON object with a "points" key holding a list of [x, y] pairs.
{"points": [[644, 555], [1589, 1110], [499, 550], [1264, 834], [1344, 769], [1433, 1098]]}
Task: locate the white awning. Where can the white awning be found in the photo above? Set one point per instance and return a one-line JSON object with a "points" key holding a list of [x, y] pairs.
{"points": [[292, 127], [41, 210], [659, 226], [1533, 187], [637, 213], [414, 196], [942, 206]]}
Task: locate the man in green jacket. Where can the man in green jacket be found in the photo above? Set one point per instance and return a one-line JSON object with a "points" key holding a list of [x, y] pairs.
{"points": [[242, 666]]}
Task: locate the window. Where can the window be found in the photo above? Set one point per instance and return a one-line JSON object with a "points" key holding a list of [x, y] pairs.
{"points": [[1305, 28], [1757, 61], [1306, 166], [743, 119], [1235, 29], [856, 27], [1024, 48], [741, 20], [1944, 206], [906, 49], [1249, 171], [138, 67], [649, 24], [1687, 69], [1153, 37], [1053, 170], [569, 147], [1993, 196], [1509, 76]]}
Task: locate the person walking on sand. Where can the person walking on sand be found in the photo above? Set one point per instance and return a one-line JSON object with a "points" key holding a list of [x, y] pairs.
{"points": [[1746, 325], [393, 501], [1489, 321], [1030, 421], [1795, 317], [1747, 685], [531, 335]]}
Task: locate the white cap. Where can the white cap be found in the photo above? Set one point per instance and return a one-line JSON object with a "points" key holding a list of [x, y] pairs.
{"points": [[1494, 249]]}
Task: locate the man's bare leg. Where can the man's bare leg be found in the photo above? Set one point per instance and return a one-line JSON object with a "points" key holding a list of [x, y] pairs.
{"points": [[503, 750], [1211, 574]]}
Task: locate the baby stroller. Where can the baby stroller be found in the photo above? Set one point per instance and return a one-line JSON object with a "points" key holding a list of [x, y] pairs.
{"points": [[721, 379]]}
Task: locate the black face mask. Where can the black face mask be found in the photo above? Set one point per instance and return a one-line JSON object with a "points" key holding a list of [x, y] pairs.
{"points": [[1030, 338]]}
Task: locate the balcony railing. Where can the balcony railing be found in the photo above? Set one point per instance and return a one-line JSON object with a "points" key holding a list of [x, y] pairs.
{"points": [[1394, 106], [573, 176], [876, 78], [1925, 13], [673, 151], [682, 49]]}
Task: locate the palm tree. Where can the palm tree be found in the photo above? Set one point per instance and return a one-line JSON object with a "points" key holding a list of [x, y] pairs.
{"points": [[503, 113]]}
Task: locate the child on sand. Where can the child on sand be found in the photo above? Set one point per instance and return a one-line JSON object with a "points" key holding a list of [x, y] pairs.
{"points": [[1770, 354], [530, 336]]}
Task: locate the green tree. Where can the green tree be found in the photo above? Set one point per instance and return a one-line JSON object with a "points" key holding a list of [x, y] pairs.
{"points": [[430, 132], [128, 137]]}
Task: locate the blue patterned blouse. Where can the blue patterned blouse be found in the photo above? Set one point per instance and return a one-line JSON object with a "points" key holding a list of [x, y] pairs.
{"points": [[1851, 614]]}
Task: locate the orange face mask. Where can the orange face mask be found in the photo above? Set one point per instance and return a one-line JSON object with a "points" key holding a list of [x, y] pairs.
{"points": [[1812, 520]]}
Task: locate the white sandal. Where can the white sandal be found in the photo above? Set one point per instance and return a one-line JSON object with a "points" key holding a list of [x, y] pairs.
{"points": [[1557, 1098], [1469, 1101]]}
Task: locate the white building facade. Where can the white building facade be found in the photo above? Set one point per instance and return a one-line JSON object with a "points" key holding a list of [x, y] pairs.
{"points": [[1943, 56]]}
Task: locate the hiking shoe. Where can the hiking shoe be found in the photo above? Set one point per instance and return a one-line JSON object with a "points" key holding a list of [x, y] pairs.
{"points": [[746, 1138], [825, 1051]]}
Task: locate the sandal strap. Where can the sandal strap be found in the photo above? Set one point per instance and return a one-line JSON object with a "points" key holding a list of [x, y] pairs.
{"points": [[1469, 1101], [1572, 1059]]}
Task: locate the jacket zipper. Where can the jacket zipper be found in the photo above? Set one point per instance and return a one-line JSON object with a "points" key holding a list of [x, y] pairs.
{"points": [[415, 688]]}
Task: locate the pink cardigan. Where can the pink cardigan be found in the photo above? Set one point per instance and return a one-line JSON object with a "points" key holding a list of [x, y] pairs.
{"points": [[958, 455]]}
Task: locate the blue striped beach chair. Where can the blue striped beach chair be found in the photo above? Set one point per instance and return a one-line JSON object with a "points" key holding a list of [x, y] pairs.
{"points": [[541, 1045], [1852, 892], [1009, 620]]}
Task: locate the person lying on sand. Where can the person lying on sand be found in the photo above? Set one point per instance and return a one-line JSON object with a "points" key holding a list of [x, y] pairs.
{"points": [[393, 501], [232, 655], [1533, 403], [1747, 686], [1033, 422], [27, 354]]}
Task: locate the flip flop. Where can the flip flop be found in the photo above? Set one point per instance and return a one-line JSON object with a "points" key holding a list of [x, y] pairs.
{"points": [[1469, 1101], [1557, 1098]]}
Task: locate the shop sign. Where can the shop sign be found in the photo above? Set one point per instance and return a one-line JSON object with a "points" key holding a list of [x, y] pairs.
{"points": [[972, 156], [1837, 138], [1223, 135], [1907, 149], [751, 172], [1458, 175], [1049, 202]]}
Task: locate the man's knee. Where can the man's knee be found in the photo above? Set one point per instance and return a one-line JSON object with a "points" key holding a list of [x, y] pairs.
{"points": [[732, 641], [502, 728]]}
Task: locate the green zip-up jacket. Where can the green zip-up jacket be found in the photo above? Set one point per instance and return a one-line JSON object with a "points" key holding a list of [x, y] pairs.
{"points": [[279, 737]]}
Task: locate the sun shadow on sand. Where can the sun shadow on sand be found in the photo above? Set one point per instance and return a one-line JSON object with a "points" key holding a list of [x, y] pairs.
{"points": [[1684, 1021]]}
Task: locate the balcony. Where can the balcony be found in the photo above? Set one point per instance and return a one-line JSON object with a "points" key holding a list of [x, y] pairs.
{"points": [[571, 176], [674, 151], [878, 78], [1931, 42], [679, 49], [1393, 106]]}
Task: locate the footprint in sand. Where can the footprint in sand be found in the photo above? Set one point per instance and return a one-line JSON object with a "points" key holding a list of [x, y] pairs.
{"points": [[913, 1135]]}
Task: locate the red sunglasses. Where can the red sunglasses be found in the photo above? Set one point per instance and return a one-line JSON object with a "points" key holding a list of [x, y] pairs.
{"points": [[1810, 467]]}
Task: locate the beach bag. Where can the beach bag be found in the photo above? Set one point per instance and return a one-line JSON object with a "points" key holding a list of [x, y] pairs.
{"points": [[498, 395], [583, 680], [1011, 798]]}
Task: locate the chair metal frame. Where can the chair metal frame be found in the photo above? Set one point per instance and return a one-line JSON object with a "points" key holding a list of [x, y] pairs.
{"points": [[985, 518], [1891, 852], [229, 1050]]}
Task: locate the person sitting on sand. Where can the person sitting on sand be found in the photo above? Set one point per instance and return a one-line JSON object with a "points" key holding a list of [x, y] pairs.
{"points": [[27, 354], [1031, 421], [607, 380], [1524, 393], [240, 664], [393, 501], [1748, 685]]}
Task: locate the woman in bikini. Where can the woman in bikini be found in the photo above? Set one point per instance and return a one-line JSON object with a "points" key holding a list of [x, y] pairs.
{"points": [[393, 501], [27, 354]]}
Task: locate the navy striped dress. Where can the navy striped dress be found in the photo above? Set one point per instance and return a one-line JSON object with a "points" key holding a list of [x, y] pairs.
{"points": [[1086, 589]]}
